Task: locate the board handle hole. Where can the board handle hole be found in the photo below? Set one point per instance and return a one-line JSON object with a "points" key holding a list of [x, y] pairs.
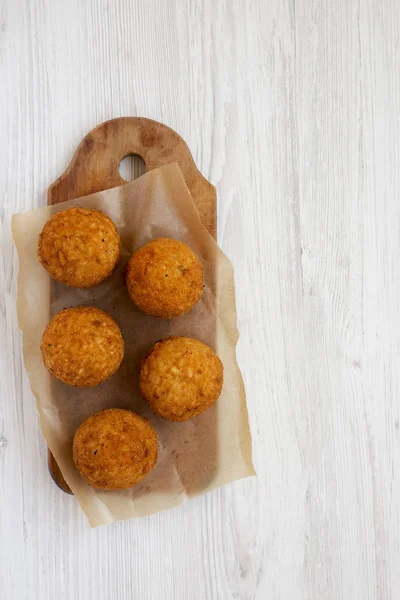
{"points": [[131, 167]]}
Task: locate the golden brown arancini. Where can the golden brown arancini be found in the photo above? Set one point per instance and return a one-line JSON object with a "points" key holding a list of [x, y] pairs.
{"points": [[180, 378], [164, 278], [82, 346], [114, 449], [79, 247]]}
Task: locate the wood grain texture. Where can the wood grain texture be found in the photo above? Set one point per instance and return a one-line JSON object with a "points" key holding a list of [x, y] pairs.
{"points": [[292, 109], [95, 167]]}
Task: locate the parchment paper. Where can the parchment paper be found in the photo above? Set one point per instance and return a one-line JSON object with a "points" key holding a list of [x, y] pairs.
{"points": [[195, 456]]}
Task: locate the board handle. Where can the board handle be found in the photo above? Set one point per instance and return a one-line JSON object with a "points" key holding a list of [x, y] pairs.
{"points": [[95, 166]]}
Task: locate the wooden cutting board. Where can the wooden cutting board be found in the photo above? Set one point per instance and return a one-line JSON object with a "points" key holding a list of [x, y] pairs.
{"points": [[95, 167]]}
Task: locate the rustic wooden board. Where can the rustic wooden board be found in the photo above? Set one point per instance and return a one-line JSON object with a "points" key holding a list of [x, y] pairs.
{"points": [[95, 168]]}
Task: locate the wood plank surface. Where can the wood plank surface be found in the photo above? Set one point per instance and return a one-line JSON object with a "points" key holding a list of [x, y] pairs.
{"points": [[292, 110]]}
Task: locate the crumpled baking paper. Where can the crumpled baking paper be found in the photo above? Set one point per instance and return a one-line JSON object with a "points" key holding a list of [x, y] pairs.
{"points": [[194, 456]]}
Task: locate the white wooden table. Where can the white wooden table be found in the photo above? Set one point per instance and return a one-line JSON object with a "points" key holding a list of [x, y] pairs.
{"points": [[292, 109]]}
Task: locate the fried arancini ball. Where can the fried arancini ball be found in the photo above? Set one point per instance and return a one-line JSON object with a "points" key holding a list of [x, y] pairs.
{"points": [[164, 278], [79, 247], [114, 449], [82, 346], [180, 378]]}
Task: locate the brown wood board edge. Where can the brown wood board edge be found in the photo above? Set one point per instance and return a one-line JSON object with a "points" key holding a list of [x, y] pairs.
{"points": [[95, 167]]}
